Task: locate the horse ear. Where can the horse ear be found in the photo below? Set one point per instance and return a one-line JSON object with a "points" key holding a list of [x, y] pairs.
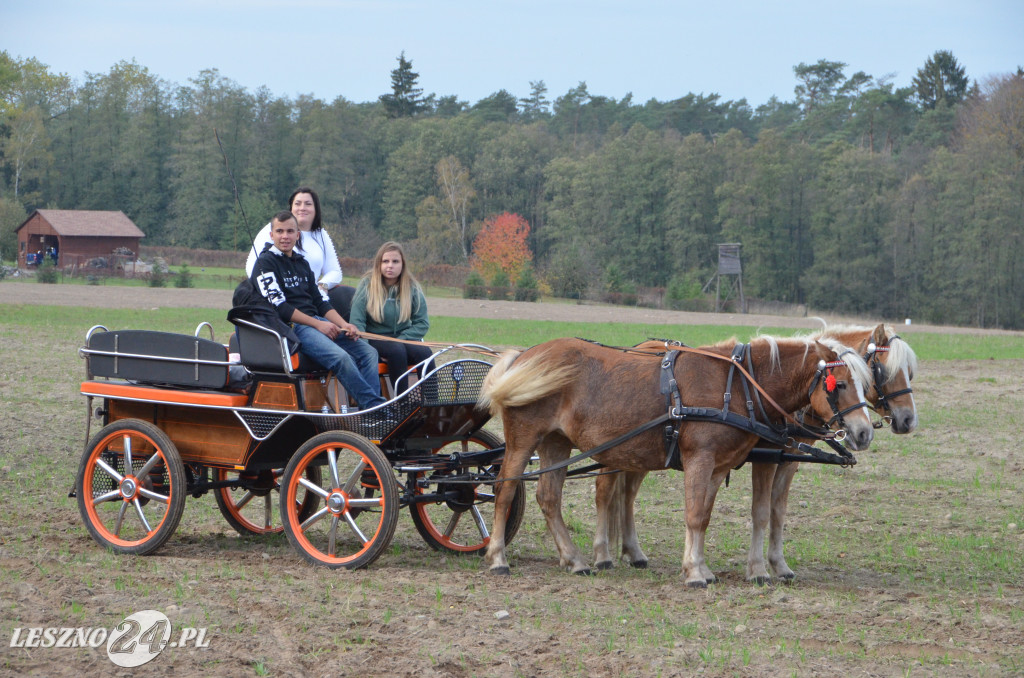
{"points": [[825, 353], [880, 336]]}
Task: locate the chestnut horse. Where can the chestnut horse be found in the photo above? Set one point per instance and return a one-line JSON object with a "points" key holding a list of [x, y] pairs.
{"points": [[893, 363], [571, 393]]}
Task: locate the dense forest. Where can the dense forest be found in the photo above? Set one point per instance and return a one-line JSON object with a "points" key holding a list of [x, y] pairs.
{"points": [[857, 196]]}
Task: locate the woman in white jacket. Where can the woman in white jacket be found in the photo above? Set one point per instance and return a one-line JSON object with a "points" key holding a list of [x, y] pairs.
{"points": [[316, 245]]}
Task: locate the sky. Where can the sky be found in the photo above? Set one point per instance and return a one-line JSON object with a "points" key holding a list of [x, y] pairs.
{"points": [[652, 49]]}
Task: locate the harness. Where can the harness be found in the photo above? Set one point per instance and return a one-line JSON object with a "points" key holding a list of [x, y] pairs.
{"points": [[780, 436]]}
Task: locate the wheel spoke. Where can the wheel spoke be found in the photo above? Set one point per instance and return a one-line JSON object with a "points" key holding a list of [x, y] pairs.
{"points": [[316, 489], [357, 473], [109, 470], [481, 524], [313, 519], [332, 536], [355, 528], [128, 454], [240, 504], [120, 518], [109, 496], [453, 522], [142, 516], [148, 466], [367, 502], [150, 494], [332, 461]]}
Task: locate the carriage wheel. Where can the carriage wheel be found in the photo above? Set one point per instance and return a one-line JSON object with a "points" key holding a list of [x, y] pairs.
{"points": [[357, 501], [131, 487], [459, 523], [251, 505]]}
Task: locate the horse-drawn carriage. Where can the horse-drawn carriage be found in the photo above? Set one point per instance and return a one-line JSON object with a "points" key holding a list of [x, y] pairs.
{"points": [[280, 449], [276, 443]]}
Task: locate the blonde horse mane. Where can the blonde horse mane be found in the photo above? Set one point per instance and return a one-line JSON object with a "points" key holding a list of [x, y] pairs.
{"points": [[522, 383], [901, 355]]}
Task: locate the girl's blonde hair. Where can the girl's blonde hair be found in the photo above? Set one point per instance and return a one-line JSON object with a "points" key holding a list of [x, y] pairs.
{"points": [[377, 292]]}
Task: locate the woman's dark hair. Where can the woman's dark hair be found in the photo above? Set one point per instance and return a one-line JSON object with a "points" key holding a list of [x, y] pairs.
{"points": [[317, 223]]}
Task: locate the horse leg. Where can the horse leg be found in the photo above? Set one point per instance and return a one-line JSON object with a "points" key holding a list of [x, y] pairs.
{"points": [[761, 477], [608, 498], [549, 497], [517, 455], [780, 497], [616, 494], [630, 540], [701, 489]]}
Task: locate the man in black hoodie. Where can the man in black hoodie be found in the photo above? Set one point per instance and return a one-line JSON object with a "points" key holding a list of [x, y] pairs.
{"points": [[284, 278]]}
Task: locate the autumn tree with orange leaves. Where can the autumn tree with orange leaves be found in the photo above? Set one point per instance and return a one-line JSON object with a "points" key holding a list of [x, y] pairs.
{"points": [[501, 246]]}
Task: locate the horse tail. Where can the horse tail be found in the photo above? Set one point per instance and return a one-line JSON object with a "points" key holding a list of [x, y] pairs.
{"points": [[525, 382]]}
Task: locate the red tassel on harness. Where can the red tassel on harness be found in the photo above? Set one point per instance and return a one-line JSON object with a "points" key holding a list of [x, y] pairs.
{"points": [[830, 382]]}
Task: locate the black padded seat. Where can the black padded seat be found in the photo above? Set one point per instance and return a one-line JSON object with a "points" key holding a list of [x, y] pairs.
{"points": [[261, 349], [341, 299], [158, 358]]}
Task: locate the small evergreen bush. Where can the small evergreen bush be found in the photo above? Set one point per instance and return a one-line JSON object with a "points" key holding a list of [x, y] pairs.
{"points": [[47, 272], [474, 287], [184, 278]]}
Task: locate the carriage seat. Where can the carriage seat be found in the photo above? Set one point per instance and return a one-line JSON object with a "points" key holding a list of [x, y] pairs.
{"points": [[261, 349], [150, 357], [340, 297]]}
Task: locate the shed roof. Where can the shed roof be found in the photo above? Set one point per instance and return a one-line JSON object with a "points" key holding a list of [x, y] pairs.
{"points": [[90, 223]]}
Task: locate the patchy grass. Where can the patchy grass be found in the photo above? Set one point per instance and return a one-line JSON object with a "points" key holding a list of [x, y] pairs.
{"points": [[908, 563]]}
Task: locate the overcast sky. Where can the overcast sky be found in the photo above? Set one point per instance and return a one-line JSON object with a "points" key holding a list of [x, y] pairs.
{"points": [[660, 49]]}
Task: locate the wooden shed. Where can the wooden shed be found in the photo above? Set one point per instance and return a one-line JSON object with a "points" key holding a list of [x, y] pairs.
{"points": [[73, 238]]}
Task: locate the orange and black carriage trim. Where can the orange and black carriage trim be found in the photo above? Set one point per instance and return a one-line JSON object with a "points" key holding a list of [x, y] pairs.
{"points": [[280, 447]]}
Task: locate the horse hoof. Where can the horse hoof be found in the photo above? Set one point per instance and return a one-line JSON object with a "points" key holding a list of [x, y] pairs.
{"points": [[585, 572], [501, 571], [699, 584], [639, 564], [604, 565], [761, 581], [787, 578]]}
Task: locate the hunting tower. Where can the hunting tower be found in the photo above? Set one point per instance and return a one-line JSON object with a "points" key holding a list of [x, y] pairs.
{"points": [[731, 270]]}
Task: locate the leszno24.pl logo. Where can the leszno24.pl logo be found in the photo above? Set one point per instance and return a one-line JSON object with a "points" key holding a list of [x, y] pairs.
{"points": [[139, 638]]}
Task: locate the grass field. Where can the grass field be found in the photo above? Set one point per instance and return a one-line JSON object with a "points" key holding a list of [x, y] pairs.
{"points": [[908, 564]]}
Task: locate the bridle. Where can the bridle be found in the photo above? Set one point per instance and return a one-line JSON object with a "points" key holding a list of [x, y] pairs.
{"points": [[827, 380], [878, 373]]}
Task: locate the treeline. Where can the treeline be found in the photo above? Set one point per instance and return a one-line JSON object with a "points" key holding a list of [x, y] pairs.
{"points": [[857, 196]]}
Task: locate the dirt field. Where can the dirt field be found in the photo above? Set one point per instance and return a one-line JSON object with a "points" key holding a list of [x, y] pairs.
{"points": [[908, 564]]}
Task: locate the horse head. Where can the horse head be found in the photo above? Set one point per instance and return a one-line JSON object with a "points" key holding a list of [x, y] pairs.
{"points": [[892, 364], [837, 389]]}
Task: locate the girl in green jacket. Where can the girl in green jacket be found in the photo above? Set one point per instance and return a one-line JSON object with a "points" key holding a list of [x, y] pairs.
{"points": [[390, 302]]}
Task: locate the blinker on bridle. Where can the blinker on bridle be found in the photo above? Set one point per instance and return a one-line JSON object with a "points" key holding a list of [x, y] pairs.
{"points": [[828, 384], [878, 373]]}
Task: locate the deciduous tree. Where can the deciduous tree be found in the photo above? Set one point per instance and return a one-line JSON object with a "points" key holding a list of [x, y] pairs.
{"points": [[501, 246]]}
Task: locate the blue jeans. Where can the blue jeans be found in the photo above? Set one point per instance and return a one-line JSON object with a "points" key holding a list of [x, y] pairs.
{"points": [[353, 361]]}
